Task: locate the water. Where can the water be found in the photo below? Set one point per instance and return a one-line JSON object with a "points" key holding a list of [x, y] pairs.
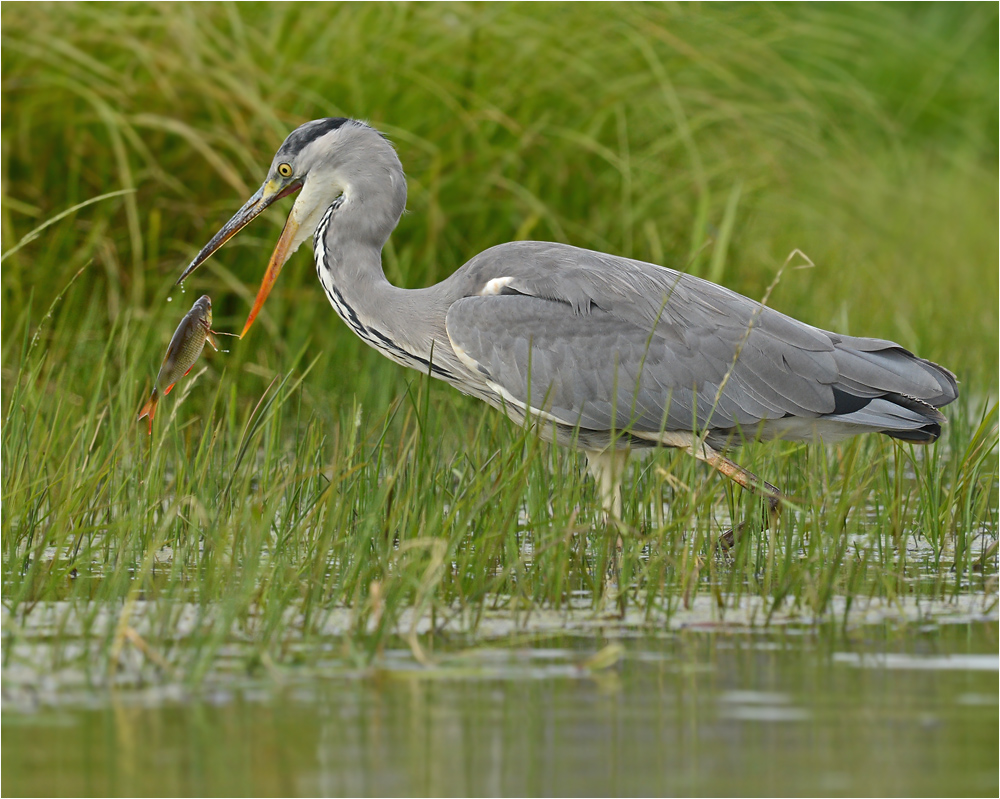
{"points": [[886, 708]]}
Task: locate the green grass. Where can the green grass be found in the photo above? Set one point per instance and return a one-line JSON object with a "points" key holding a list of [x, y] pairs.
{"points": [[301, 472]]}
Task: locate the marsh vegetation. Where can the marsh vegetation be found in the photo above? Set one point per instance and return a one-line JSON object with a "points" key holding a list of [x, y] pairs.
{"points": [[300, 495]]}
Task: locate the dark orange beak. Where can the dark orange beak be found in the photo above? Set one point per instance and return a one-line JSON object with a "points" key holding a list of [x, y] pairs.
{"points": [[265, 196]]}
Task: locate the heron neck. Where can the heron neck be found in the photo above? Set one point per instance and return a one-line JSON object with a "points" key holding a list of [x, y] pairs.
{"points": [[406, 325]]}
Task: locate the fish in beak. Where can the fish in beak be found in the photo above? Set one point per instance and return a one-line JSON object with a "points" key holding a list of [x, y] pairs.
{"points": [[272, 191]]}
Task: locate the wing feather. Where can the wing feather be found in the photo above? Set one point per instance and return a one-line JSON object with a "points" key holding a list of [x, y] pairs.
{"points": [[606, 342]]}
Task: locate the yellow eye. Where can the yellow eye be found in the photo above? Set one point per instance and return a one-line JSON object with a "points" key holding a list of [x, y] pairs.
{"points": [[285, 170]]}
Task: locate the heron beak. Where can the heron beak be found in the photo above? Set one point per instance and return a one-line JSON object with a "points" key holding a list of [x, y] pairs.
{"points": [[267, 194], [282, 250]]}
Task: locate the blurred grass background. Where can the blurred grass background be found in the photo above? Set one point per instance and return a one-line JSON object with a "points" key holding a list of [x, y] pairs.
{"points": [[864, 135], [716, 138]]}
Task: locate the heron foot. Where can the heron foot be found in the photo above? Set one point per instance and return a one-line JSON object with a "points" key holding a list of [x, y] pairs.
{"points": [[729, 538]]}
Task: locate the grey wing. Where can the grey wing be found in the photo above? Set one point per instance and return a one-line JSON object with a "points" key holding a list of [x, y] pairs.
{"points": [[610, 343]]}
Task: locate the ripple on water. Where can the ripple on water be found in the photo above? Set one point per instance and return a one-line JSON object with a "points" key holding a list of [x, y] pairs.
{"points": [[867, 660]]}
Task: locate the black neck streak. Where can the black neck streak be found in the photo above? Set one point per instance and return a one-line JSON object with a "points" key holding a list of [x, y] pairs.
{"points": [[374, 338]]}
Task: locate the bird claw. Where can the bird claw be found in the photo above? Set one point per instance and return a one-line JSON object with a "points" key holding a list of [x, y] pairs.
{"points": [[729, 538]]}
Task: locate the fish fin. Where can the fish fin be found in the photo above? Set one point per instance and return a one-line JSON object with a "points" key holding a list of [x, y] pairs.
{"points": [[210, 338], [188, 371], [167, 389], [149, 409]]}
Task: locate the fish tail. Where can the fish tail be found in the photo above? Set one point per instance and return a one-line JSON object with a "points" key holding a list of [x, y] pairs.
{"points": [[149, 409]]}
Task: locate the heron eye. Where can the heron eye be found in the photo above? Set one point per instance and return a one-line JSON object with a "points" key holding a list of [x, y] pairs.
{"points": [[285, 170]]}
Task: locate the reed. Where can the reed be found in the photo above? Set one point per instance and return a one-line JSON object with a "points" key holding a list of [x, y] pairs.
{"points": [[299, 474]]}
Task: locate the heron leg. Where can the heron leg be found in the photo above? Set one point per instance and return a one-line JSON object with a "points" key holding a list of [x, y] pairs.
{"points": [[748, 480], [607, 467]]}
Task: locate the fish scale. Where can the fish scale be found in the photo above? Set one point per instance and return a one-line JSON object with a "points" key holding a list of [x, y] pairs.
{"points": [[183, 351]]}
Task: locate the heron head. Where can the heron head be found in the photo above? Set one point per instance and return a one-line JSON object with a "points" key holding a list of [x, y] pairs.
{"points": [[325, 158]]}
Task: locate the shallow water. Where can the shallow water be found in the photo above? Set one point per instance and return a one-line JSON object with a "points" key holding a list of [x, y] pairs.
{"points": [[885, 708]]}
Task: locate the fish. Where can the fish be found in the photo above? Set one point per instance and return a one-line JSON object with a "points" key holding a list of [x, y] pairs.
{"points": [[183, 351]]}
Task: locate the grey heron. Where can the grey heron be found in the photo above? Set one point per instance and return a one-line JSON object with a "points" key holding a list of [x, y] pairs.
{"points": [[600, 352]]}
